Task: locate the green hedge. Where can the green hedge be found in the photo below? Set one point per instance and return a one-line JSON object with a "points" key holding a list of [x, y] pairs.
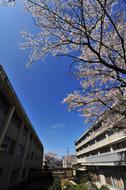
{"points": [[103, 187]]}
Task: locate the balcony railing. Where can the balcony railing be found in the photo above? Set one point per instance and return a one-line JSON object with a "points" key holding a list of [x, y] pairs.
{"points": [[81, 160], [115, 158], [112, 138], [80, 152], [92, 135]]}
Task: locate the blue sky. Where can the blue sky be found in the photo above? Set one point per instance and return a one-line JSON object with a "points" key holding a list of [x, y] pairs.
{"points": [[40, 88]]}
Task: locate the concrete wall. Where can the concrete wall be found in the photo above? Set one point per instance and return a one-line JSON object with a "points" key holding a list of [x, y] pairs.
{"points": [[20, 147]]}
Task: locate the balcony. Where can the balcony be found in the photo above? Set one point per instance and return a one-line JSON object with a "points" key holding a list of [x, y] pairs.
{"points": [[92, 135], [113, 158], [103, 142], [81, 160], [108, 140], [117, 136], [80, 152]]}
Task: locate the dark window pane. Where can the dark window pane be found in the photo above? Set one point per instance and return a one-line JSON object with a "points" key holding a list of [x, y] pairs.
{"points": [[20, 150], [101, 137], [25, 131], [14, 175], [7, 145], [104, 150], [1, 171], [16, 120], [4, 103], [24, 173]]}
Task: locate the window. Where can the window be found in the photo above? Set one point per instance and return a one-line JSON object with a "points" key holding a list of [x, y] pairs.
{"points": [[81, 148], [31, 137], [28, 155], [120, 145], [16, 120], [78, 150], [94, 152], [32, 156], [108, 179], [34, 142], [111, 132], [83, 138], [117, 181], [20, 150], [1, 171], [85, 146], [14, 175], [104, 150], [4, 103], [92, 142], [24, 173], [25, 131], [95, 174], [7, 145], [88, 134], [101, 137], [87, 154], [97, 127]]}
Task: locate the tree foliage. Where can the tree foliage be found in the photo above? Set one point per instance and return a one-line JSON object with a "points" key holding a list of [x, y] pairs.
{"points": [[82, 186], [103, 187], [7, 2], [52, 161], [56, 184], [93, 34]]}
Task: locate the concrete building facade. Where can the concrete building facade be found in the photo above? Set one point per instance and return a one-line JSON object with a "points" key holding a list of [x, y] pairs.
{"points": [[21, 150], [102, 152]]}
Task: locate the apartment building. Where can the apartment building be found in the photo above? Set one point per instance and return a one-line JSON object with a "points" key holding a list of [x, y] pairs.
{"points": [[21, 150], [102, 151], [68, 161]]}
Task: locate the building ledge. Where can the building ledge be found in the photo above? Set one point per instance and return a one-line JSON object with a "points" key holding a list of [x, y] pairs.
{"points": [[113, 158]]}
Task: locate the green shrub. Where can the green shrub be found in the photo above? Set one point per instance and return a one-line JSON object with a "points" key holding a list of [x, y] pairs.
{"points": [[94, 186], [103, 187], [56, 184], [81, 186], [70, 186]]}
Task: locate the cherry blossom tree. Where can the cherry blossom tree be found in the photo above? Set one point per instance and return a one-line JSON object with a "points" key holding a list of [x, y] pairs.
{"points": [[7, 2], [52, 161], [93, 34]]}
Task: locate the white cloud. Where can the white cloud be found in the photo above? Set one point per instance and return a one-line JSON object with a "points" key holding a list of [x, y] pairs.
{"points": [[58, 126]]}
